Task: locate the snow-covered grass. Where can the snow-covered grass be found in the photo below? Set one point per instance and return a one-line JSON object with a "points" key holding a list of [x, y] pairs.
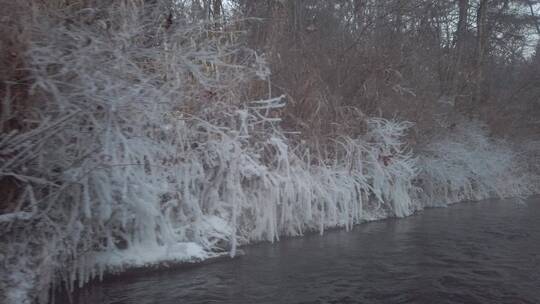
{"points": [[141, 148]]}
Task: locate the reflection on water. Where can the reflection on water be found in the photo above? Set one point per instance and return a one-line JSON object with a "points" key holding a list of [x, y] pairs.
{"points": [[487, 252]]}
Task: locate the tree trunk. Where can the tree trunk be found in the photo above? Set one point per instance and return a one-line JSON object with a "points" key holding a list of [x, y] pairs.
{"points": [[216, 9], [534, 17], [457, 77], [481, 46]]}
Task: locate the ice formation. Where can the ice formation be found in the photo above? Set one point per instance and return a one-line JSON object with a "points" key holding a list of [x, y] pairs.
{"points": [[143, 150]]}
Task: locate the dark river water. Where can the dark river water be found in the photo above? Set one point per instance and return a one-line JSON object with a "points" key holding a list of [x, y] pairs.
{"points": [[485, 252]]}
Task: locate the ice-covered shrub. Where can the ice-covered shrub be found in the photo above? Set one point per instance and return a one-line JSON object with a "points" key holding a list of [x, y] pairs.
{"points": [[140, 148], [113, 139], [466, 164]]}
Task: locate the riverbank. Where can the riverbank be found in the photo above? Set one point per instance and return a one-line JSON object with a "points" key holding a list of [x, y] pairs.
{"points": [[478, 252]]}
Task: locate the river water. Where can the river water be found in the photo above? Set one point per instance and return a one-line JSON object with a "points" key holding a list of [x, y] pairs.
{"points": [[484, 252]]}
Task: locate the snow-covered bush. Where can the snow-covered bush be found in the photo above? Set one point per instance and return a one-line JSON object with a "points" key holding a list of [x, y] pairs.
{"points": [[113, 138], [140, 148], [466, 164]]}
